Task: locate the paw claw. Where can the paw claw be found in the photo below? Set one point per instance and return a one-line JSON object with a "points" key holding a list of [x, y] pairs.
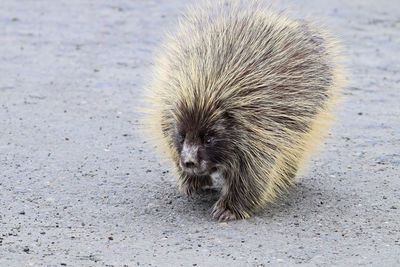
{"points": [[195, 185], [223, 214], [188, 189]]}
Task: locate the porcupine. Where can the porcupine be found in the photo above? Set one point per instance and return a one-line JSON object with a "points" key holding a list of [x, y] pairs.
{"points": [[243, 93]]}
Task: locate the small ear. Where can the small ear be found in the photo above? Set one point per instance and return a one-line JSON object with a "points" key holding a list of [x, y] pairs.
{"points": [[181, 137], [228, 117]]}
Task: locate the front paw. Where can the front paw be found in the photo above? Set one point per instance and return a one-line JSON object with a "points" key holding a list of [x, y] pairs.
{"points": [[223, 214], [194, 185], [189, 189]]}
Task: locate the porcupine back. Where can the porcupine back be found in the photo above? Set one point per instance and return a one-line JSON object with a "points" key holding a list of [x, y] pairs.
{"points": [[277, 78]]}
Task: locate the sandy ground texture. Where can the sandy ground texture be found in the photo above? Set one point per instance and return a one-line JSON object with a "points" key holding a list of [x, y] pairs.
{"points": [[78, 186]]}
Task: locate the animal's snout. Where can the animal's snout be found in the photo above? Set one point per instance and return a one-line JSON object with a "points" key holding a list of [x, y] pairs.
{"points": [[190, 164], [189, 157]]}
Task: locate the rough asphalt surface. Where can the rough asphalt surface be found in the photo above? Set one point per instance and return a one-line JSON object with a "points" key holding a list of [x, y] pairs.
{"points": [[78, 186]]}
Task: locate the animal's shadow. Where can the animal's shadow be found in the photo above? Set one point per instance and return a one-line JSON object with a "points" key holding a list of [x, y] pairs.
{"points": [[303, 196]]}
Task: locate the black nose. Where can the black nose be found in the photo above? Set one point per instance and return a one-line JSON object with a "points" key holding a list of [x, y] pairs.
{"points": [[190, 164]]}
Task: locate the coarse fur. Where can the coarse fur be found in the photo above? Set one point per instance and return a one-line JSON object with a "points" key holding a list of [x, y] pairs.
{"points": [[244, 93]]}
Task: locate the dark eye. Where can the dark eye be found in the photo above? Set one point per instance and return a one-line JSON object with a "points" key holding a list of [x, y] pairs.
{"points": [[181, 137], [209, 140]]}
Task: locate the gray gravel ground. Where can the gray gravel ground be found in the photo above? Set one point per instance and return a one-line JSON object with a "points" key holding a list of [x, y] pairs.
{"points": [[79, 187]]}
